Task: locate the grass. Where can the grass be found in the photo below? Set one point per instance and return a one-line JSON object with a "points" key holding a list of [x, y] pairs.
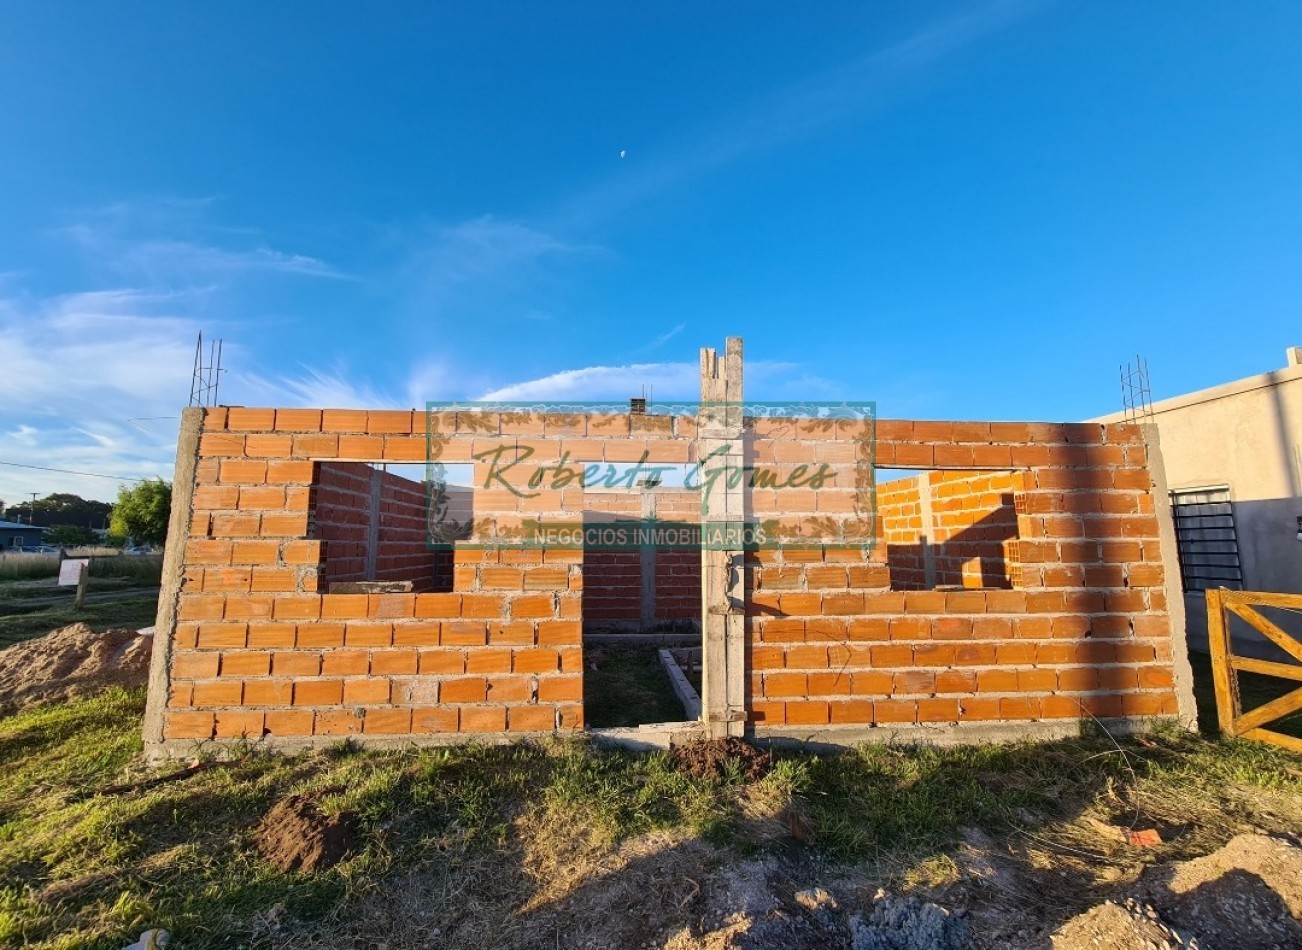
{"points": [[625, 685], [80, 867], [134, 613]]}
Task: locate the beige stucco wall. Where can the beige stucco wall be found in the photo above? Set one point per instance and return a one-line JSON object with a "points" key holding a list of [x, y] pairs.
{"points": [[1246, 435]]}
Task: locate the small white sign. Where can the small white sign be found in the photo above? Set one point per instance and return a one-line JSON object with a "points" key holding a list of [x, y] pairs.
{"points": [[70, 570]]}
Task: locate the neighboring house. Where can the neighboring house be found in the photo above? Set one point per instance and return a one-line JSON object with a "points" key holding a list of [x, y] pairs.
{"points": [[15, 536], [1233, 461]]}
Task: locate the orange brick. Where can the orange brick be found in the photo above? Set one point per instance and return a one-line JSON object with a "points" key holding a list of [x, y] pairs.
{"points": [[461, 633], [268, 693], [255, 552], [394, 662], [362, 692], [535, 661], [502, 578], [345, 663], [296, 664], [267, 445], [868, 628], [546, 578], [217, 693], [392, 421], [851, 711], [368, 634], [285, 524], [262, 635], [289, 722], [387, 721], [201, 607], [489, 660], [222, 636], [997, 681], [249, 607], [510, 689], [438, 605], [809, 712], [318, 692], [768, 713], [528, 606], [343, 606], [469, 690], [190, 725], [288, 471], [1043, 681], [1019, 707], [435, 719], [216, 497], [221, 444], [271, 579], [336, 722], [298, 420], [560, 689], [239, 417], [778, 685], [531, 718], [518, 633], [416, 634], [194, 665], [318, 445], [435, 662], [245, 664], [343, 420], [238, 723], [200, 551], [483, 719], [938, 710], [892, 655]]}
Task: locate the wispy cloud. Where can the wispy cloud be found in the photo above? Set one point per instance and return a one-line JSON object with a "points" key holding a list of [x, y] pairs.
{"points": [[482, 261], [665, 337], [170, 242], [846, 92], [764, 380]]}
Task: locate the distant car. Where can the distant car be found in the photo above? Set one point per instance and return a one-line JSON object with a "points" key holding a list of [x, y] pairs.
{"points": [[137, 549], [37, 549]]}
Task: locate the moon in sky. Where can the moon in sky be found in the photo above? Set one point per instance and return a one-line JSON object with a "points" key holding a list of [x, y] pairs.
{"points": [[623, 153]]}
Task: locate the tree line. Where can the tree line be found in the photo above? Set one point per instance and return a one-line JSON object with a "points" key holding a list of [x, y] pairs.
{"points": [[139, 515]]}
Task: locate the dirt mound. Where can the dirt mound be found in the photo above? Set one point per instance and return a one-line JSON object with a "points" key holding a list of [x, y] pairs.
{"points": [[717, 758], [1112, 926], [297, 836], [1247, 895], [71, 662]]}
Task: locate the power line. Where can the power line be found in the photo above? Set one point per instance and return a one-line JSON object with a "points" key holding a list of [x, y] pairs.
{"points": [[65, 471]]}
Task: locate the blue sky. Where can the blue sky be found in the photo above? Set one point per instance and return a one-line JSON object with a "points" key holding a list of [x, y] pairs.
{"points": [[971, 210]]}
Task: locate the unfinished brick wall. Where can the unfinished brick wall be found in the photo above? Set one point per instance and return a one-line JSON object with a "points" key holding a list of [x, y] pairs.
{"points": [[259, 649], [1088, 633]]}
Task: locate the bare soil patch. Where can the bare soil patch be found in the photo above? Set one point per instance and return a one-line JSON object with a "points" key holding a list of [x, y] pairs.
{"points": [[297, 836], [717, 758]]}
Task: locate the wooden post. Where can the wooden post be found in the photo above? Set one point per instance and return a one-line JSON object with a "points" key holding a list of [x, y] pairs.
{"points": [[83, 571], [723, 611]]}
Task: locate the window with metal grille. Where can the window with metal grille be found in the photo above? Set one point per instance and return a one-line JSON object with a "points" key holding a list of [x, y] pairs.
{"points": [[1206, 539]]}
